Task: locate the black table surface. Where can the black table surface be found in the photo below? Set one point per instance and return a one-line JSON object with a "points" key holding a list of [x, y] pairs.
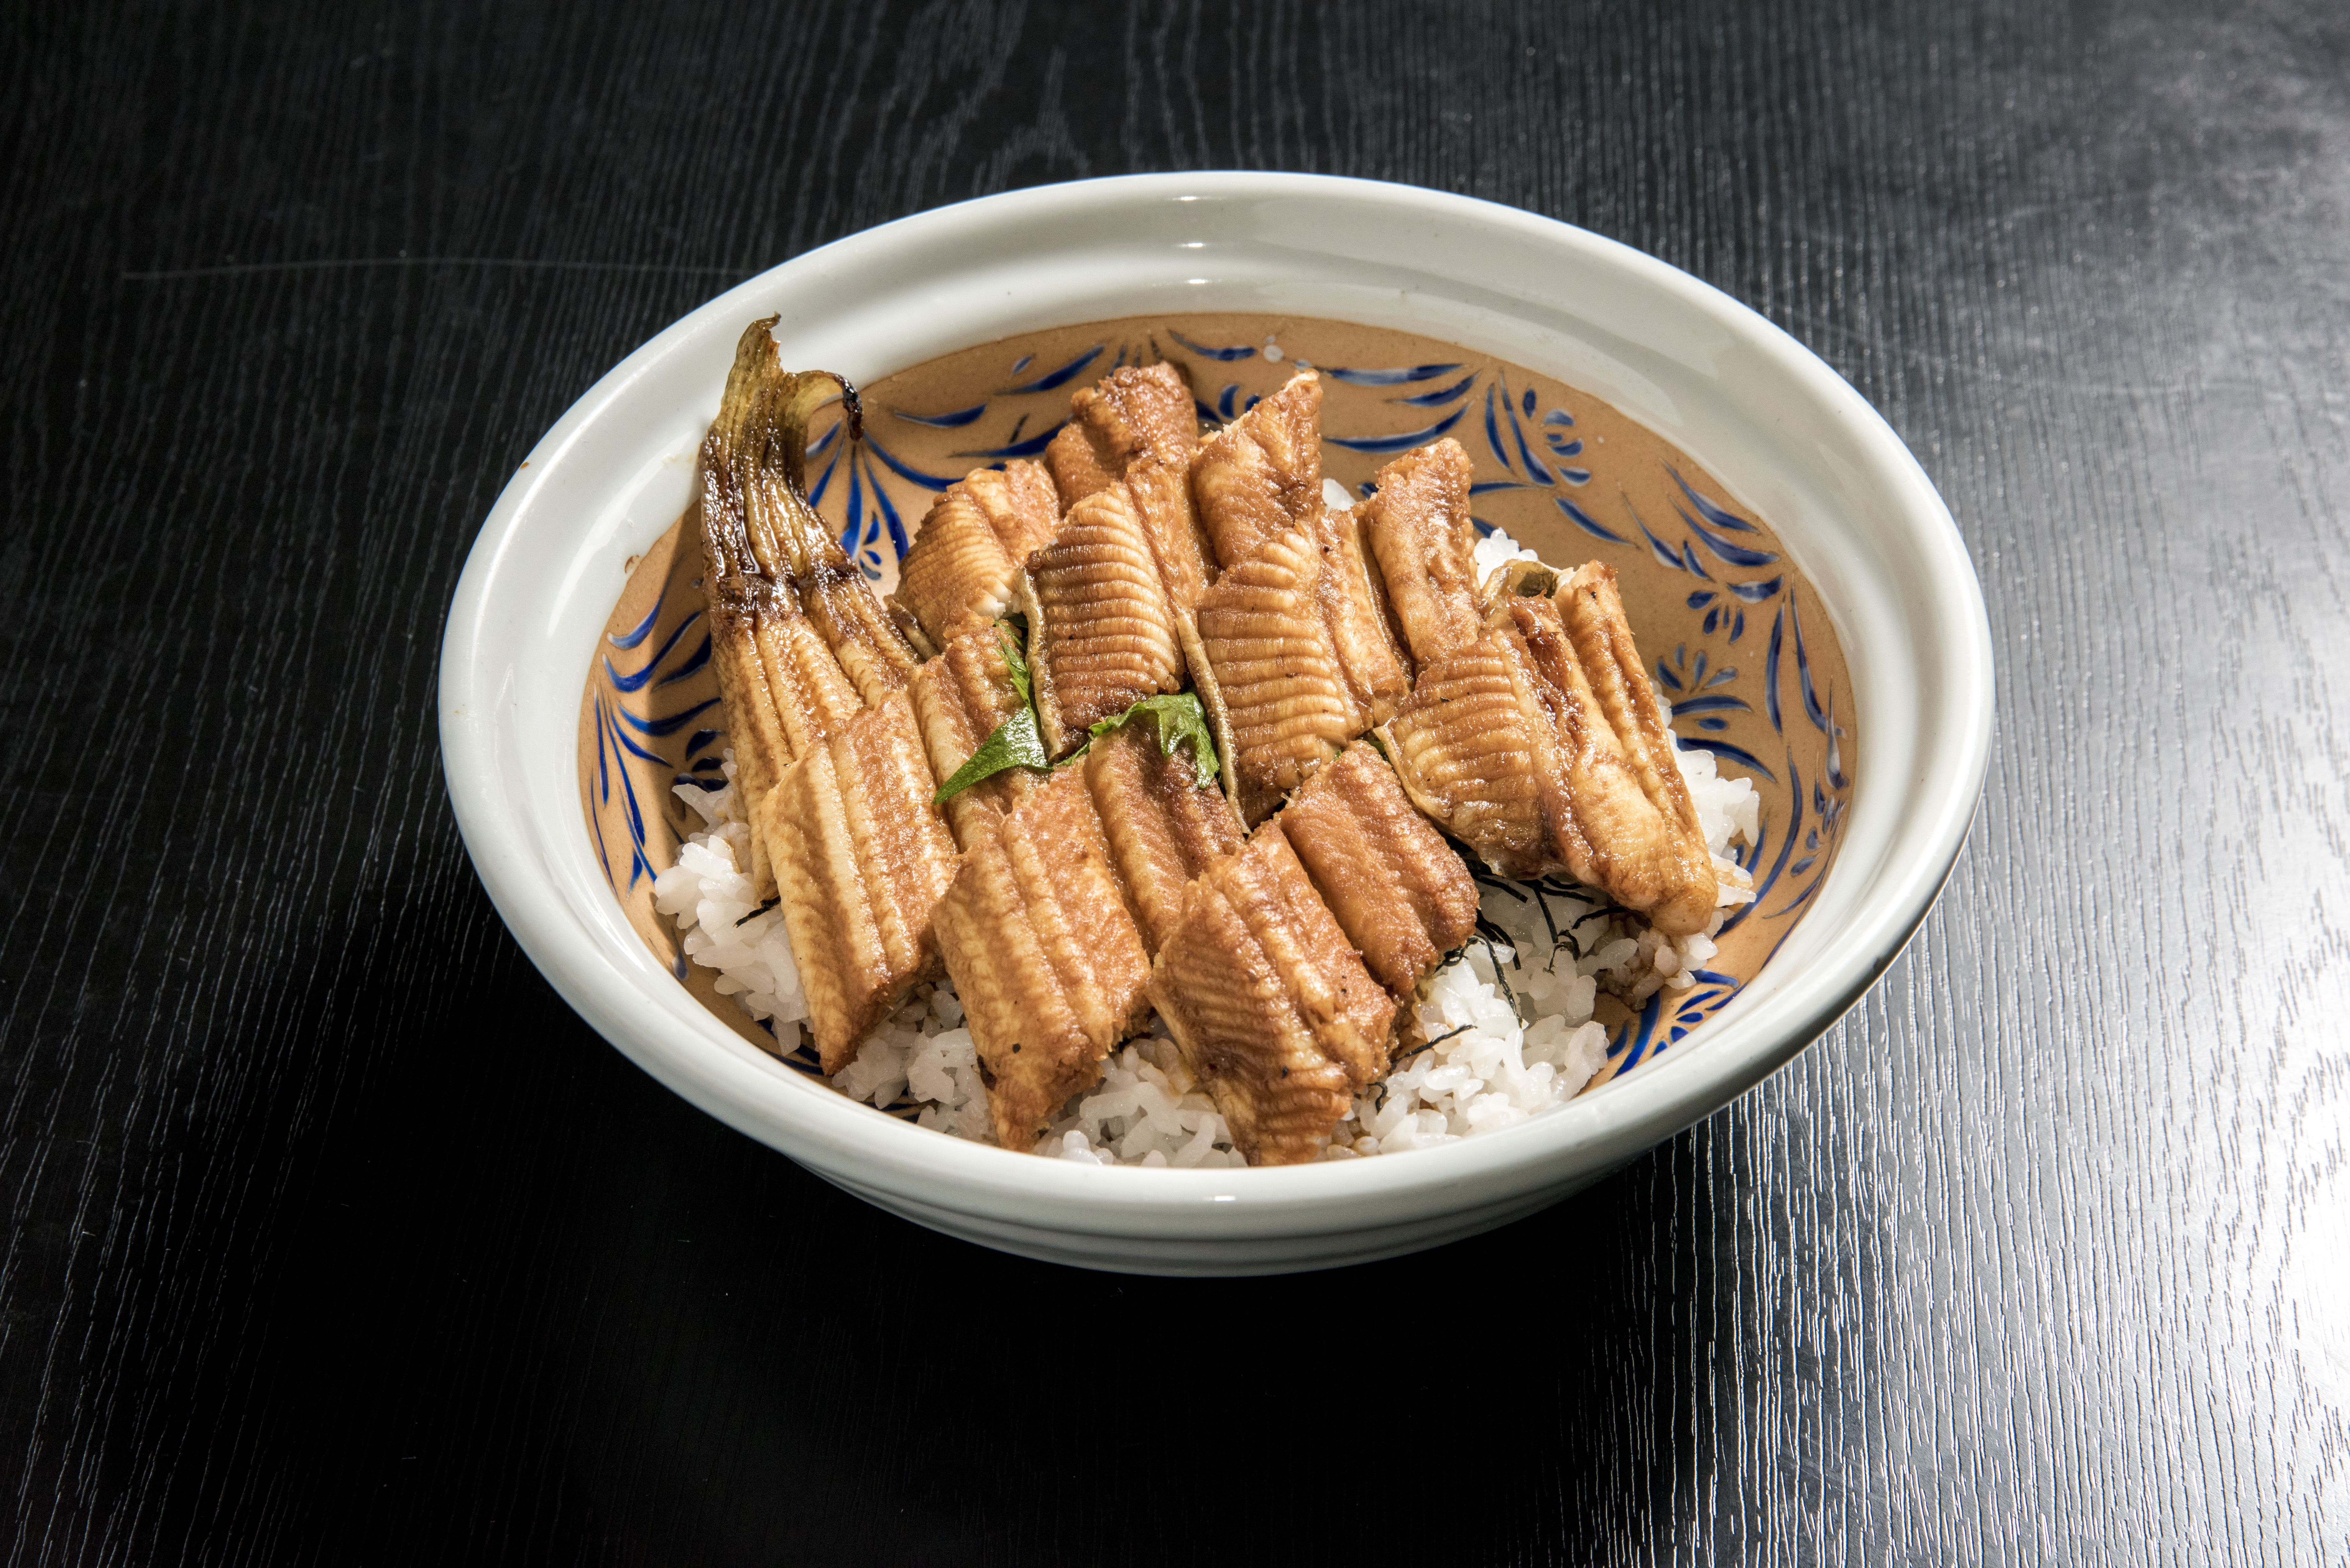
{"points": [[333, 1236]]}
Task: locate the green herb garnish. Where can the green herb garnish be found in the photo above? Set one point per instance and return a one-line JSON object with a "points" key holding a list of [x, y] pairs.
{"points": [[1180, 718], [1018, 741]]}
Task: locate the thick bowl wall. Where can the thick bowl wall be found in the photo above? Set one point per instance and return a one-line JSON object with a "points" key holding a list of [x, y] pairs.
{"points": [[1784, 431]]}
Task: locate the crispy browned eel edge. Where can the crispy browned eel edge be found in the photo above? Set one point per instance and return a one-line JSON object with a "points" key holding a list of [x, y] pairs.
{"points": [[1140, 410], [1270, 1004], [781, 689], [1049, 963], [793, 545]]}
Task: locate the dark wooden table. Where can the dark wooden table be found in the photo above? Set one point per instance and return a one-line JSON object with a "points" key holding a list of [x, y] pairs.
{"points": [[333, 1236]]}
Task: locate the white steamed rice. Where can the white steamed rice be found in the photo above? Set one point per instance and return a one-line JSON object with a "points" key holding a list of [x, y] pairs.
{"points": [[1487, 1067]]}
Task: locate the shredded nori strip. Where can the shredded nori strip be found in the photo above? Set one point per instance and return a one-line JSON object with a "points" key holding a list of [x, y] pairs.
{"points": [[1486, 932], [760, 910], [1423, 1045], [1500, 884], [1541, 902]]}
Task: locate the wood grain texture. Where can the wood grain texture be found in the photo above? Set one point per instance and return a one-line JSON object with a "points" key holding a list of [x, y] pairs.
{"points": [[332, 1236]]}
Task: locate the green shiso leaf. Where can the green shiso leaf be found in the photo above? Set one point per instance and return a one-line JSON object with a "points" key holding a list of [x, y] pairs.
{"points": [[1012, 636], [1019, 740], [1180, 718], [1016, 743]]}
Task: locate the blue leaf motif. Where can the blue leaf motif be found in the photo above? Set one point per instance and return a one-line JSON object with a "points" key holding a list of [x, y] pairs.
{"points": [[1494, 434], [1059, 378], [1029, 448], [905, 471], [1588, 524], [1401, 376], [1665, 554], [853, 523], [1638, 1035], [1444, 395], [889, 511], [824, 481], [1736, 555], [950, 421], [1404, 442], [1711, 705], [1534, 470], [1709, 510], [1804, 675], [1237, 351], [657, 727], [691, 667], [1724, 751], [641, 677], [638, 633]]}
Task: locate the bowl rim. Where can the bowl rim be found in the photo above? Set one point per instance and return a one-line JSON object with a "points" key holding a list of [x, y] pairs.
{"points": [[521, 860]]}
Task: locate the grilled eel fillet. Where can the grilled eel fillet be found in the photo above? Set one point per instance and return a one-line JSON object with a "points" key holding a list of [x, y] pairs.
{"points": [[1417, 519], [799, 649], [1261, 475], [1048, 927], [1400, 892], [1270, 1004], [1279, 699], [1139, 411], [1049, 963], [1293, 634], [1162, 828], [1102, 630], [861, 859], [1540, 746], [1353, 611], [959, 574]]}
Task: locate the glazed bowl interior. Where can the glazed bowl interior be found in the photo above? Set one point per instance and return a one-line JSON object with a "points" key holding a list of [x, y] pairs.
{"points": [[1786, 438]]}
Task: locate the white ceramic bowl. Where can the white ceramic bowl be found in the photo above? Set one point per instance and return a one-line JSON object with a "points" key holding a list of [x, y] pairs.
{"points": [[1753, 406]]}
